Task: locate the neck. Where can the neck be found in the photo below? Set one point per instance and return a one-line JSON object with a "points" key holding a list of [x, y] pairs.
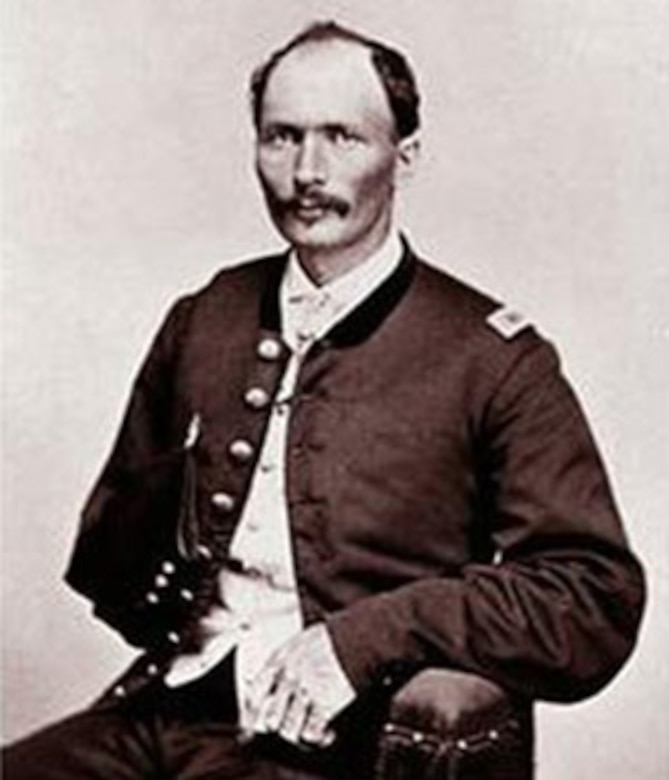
{"points": [[324, 265]]}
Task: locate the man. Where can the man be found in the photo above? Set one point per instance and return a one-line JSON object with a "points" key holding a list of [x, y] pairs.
{"points": [[338, 466]]}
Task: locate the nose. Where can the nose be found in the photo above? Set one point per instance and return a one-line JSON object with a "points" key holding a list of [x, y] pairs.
{"points": [[310, 162]]}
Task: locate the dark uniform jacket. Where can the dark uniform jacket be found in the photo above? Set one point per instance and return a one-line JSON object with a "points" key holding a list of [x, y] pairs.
{"points": [[447, 503]]}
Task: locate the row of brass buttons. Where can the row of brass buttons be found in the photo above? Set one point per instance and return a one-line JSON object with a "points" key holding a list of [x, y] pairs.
{"points": [[242, 451], [256, 398]]}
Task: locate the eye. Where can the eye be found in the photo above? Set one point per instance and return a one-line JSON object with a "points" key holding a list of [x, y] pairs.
{"points": [[343, 137], [279, 136]]}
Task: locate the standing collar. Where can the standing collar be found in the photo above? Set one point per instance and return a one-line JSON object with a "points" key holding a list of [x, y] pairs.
{"points": [[325, 305], [354, 285], [384, 281]]}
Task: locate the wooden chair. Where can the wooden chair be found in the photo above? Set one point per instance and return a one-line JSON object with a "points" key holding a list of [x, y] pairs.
{"points": [[450, 725]]}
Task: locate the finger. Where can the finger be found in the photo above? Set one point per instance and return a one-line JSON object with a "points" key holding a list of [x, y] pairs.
{"points": [[295, 717], [315, 730], [246, 719], [261, 691], [248, 711], [275, 706]]}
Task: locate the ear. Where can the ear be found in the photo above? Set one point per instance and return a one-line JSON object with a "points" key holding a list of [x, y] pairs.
{"points": [[408, 155]]}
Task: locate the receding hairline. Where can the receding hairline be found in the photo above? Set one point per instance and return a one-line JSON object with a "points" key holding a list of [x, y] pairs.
{"points": [[361, 45], [312, 47], [391, 67]]}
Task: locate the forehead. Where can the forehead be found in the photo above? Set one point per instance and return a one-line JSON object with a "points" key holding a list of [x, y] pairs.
{"points": [[326, 82]]}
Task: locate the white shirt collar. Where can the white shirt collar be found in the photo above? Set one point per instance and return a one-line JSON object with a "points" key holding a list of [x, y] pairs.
{"points": [[308, 311]]}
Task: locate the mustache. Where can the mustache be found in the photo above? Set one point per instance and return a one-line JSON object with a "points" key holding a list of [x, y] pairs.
{"points": [[311, 200]]}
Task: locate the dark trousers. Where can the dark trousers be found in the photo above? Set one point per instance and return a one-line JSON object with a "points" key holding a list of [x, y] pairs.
{"points": [[187, 733]]}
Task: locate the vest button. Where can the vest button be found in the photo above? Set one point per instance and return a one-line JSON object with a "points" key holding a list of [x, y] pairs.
{"points": [[241, 450], [223, 501], [269, 349], [256, 398]]}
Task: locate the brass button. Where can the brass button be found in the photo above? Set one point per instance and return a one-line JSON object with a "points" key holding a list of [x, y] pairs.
{"points": [[173, 638], [241, 450], [168, 567], [161, 581], [152, 670], [223, 501], [152, 598], [257, 398], [186, 594], [120, 691], [269, 349]]}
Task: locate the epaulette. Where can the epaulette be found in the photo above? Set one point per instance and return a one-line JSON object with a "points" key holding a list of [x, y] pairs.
{"points": [[507, 322]]}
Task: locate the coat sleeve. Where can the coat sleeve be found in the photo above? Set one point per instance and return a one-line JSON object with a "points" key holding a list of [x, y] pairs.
{"points": [[128, 529], [557, 613]]}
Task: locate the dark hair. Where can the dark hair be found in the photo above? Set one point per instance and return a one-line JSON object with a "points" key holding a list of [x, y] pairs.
{"points": [[392, 67]]}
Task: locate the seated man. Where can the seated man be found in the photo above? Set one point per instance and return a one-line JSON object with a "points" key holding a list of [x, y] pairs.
{"points": [[339, 466]]}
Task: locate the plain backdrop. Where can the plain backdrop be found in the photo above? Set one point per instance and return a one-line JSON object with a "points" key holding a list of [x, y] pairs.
{"points": [[128, 179]]}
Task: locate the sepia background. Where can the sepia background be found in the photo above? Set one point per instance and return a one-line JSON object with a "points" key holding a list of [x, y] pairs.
{"points": [[128, 179]]}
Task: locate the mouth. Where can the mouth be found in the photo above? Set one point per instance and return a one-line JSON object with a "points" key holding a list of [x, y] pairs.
{"points": [[309, 210]]}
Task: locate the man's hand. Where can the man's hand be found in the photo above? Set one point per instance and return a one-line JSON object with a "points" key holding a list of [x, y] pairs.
{"points": [[299, 691]]}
